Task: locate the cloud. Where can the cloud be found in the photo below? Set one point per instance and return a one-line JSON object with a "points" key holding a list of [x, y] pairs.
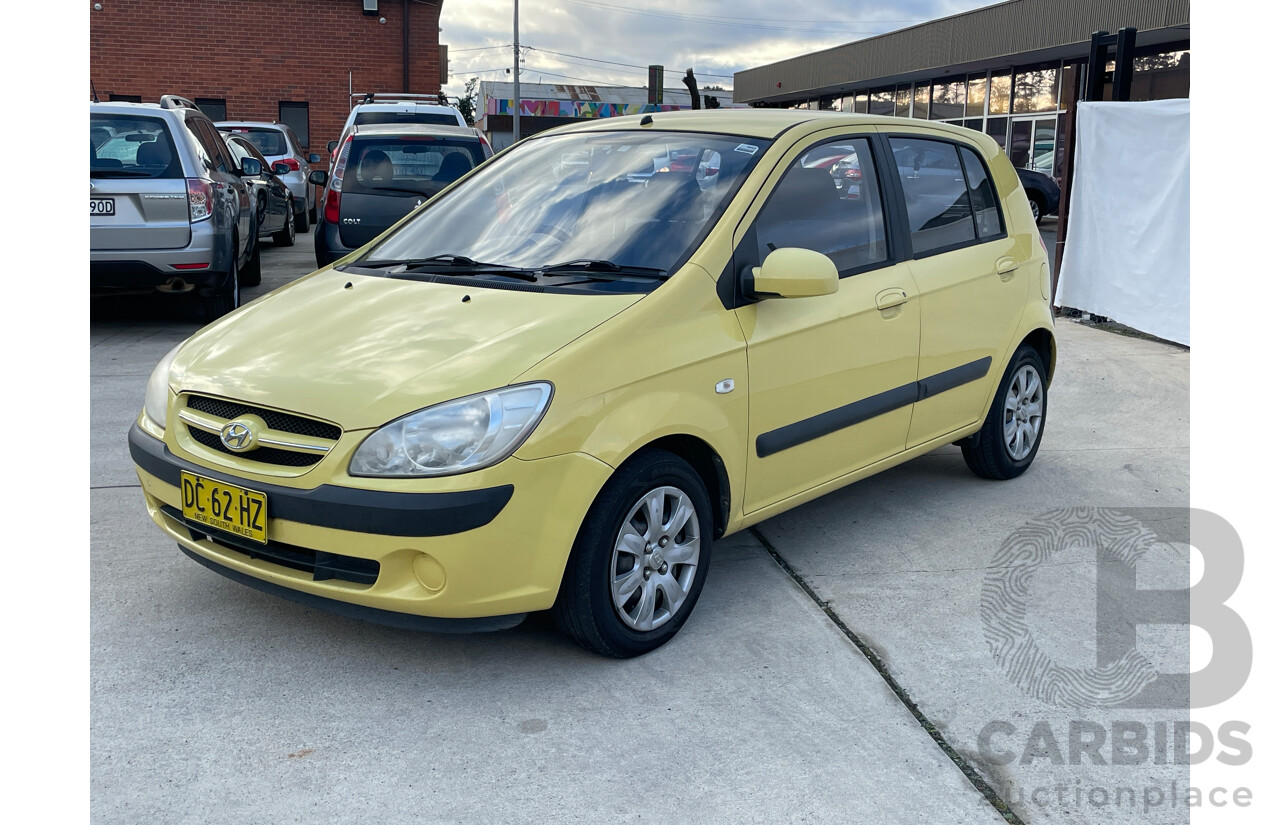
{"points": [[674, 33]]}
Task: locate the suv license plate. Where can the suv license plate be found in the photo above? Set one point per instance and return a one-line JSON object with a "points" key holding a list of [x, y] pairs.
{"points": [[102, 206], [225, 507]]}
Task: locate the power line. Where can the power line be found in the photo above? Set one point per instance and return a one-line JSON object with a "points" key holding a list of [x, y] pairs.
{"points": [[690, 15], [616, 63], [480, 48], [714, 21]]}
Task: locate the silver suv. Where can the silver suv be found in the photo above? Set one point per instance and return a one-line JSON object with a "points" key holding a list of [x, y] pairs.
{"points": [[168, 208], [278, 144]]}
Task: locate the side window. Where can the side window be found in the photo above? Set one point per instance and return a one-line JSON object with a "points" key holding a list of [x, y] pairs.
{"points": [[937, 198], [217, 147], [296, 116], [238, 152], [828, 201], [209, 157], [986, 210]]}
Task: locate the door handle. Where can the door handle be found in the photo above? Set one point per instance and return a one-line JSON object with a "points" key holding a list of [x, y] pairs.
{"points": [[890, 298], [1005, 268]]}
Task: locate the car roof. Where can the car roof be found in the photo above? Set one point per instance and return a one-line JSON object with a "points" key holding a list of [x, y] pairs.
{"points": [[249, 124], [426, 129]]}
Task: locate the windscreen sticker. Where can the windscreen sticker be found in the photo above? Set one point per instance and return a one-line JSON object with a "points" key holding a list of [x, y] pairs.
{"points": [[746, 148]]}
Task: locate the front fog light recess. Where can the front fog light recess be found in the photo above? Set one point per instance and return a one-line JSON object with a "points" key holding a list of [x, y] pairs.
{"points": [[456, 436], [156, 403]]}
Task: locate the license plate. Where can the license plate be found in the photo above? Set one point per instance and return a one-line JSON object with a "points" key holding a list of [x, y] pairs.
{"points": [[102, 206], [224, 507]]}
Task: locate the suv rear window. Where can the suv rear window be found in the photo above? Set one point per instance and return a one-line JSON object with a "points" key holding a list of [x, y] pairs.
{"points": [[130, 146], [408, 165], [268, 141], [430, 118]]}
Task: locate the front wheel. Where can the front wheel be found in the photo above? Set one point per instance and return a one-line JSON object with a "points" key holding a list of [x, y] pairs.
{"points": [[288, 233], [640, 559], [1010, 436]]}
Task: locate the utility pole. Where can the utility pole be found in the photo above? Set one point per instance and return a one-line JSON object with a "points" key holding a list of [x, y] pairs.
{"points": [[515, 73]]}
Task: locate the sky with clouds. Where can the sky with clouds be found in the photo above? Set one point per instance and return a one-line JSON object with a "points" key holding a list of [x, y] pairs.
{"points": [[568, 40]]}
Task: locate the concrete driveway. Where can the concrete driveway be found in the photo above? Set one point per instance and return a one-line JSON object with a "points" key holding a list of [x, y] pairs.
{"points": [[215, 703]]}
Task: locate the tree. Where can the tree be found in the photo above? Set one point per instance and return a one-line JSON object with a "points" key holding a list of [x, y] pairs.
{"points": [[467, 101]]}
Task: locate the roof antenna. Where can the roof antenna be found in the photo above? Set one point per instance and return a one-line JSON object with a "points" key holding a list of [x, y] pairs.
{"points": [[94, 90], [647, 120]]}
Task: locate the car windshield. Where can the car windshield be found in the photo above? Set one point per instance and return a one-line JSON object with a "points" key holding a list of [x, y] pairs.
{"points": [[408, 165], [632, 199], [131, 146], [268, 141]]}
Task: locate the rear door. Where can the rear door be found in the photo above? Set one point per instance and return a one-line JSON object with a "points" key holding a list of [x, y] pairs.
{"points": [[388, 176], [137, 191]]}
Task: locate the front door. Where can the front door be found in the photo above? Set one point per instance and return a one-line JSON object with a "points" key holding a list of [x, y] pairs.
{"points": [[832, 378]]}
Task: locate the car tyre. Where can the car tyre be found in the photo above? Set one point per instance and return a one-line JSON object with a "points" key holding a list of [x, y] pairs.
{"points": [[224, 298], [624, 565], [311, 213], [287, 235], [251, 275], [1037, 208], [1010, 436], [302, 220]]}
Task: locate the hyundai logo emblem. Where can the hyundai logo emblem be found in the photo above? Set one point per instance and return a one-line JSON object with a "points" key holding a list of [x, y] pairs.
{"points": [[237, 437]]}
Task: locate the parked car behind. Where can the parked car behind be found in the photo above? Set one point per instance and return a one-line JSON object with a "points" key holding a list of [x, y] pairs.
{"points": [[278, 144], [1043, 193], [550, 390], [273, 200], [169, 208], [382, 173]]}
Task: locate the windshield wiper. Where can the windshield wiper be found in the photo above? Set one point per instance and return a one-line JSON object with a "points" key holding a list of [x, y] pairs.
{"points": [[596, 267], [448, 261]]}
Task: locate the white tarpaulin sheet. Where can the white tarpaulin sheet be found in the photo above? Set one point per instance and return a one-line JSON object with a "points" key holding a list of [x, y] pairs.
{"points": [[1128, 252]]}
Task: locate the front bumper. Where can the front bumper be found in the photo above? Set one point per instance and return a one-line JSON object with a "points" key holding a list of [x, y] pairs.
{"points": [[490, 551]]}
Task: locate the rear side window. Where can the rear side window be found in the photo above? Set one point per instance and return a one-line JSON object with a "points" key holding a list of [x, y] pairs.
{"points": [[268, 141], [982, 195], [128, 146], [937, 196], [430, 118], [408, 165], [828, 201], [209, 149]]}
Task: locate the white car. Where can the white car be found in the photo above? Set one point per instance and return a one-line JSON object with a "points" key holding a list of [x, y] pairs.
{"points": [[398, 109], [278, 143]]}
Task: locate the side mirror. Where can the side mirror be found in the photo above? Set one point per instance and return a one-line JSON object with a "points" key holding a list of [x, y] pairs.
{"points": [[250, 167], [319, 177], [330, 146], [280, 168], [791, 272], [314, 158]]}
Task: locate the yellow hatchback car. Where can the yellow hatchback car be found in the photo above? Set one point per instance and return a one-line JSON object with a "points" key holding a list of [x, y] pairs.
{"points": [[557, 382]]}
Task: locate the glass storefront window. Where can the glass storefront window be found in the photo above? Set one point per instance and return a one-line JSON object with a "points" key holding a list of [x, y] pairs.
{"points": [[1161, 76], [1001, 85], [827, 103], [977, 98], [881, 102], [860, 102], [998, 130], [1035, 89], [948, 100], [902, 101], [920, 106], [973, 123]]}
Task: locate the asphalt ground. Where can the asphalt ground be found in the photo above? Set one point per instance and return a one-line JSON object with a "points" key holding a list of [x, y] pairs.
{"points": [[840, 666]]}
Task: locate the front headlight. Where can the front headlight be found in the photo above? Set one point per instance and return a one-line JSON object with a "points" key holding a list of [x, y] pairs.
{"points": [[156, 403], [456, 436]]}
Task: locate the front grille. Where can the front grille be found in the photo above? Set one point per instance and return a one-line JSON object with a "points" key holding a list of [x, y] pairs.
{"points": [[322, 566], [284, 422], [267, 455]]}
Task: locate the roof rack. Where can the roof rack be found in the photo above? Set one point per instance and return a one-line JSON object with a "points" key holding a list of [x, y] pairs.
{"points": [[358, 98], [176, 102]]}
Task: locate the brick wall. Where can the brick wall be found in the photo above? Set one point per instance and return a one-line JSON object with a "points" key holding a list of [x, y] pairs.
{"points": [[256, 53]]}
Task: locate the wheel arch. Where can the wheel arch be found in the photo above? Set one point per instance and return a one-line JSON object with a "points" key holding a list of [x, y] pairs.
{"points": [[706, 462], [1043, 342]]}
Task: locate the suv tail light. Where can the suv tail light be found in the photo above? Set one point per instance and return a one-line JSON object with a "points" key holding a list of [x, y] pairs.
{"points": [[332, 205], [333, 197], [292, 163], [199, 199]]}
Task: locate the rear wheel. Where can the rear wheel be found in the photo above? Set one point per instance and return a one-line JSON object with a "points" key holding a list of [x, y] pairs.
{"points": [[1010, 436], [288, 233], [302, 220], [640, 559], [224, 298], [251, 275], [1037, 207], [311, 213]]}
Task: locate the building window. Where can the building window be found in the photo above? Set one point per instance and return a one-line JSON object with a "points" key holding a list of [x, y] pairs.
{"points": [[1161, 76], [976, 102], [948, 101], [920, 106], [902, 101], [881, 102], [126, 98], [294, 115], [214, 107], [1035, 89], [998, 130], [1001, 85], [828, 103], [860, 101]]}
